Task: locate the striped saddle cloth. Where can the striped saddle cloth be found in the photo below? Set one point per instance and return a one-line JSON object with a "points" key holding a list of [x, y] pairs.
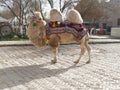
{"points": [[78, 30]]}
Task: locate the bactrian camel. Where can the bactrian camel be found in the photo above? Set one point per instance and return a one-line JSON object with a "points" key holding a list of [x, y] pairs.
{"points": [[58, 31]]}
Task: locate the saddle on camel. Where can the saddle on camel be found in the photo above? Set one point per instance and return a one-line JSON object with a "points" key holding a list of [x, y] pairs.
{"points": [[57, 31]]}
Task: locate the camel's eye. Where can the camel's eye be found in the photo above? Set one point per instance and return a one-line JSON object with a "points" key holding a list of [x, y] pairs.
{"points": [[40, 19]]}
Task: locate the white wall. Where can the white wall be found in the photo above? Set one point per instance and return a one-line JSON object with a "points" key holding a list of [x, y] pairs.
{"points": [[115, 32]]}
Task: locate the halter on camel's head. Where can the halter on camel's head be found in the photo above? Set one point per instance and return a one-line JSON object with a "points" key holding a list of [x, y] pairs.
{"points": [[36, 29], [36, 16]]}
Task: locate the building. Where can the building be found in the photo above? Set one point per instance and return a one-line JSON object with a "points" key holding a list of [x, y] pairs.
{"points": [[113, 16], [111, 13]]}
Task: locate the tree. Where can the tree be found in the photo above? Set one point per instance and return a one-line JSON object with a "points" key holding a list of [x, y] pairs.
{"points": [[20, 9], [90, 9], [67, 4], [93, 10]]}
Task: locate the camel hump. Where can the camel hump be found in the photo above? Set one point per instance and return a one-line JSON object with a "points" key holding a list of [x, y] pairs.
{"points": [[55, 15], [74, 16]]}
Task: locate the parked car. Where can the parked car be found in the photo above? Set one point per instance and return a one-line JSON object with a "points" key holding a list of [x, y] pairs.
{"points": [[90, 25]]}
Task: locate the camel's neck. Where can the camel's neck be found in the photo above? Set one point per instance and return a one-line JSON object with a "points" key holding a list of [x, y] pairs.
{"points": [[37, 33]]}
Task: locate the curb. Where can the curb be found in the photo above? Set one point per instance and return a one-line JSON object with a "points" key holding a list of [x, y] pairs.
{"points": [[15, 43], [103, 42], [28, 43], [6, 45]]}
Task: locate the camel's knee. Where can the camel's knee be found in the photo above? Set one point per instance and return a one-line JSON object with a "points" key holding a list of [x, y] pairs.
{"points": [[87, 46], [82, 50], [55, 50]]}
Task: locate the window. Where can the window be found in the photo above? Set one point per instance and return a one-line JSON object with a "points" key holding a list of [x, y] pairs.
{"points": [[118, 21]]}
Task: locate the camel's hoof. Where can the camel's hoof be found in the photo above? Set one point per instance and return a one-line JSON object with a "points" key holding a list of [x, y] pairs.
{"points": [[87, 62], [76, 62], [53, 61]]}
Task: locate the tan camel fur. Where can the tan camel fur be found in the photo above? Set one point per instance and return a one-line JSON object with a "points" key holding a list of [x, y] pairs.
{"points": [[54, 40], [36, 33]]}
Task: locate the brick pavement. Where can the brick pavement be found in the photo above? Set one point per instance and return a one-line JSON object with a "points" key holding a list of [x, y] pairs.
{"points": [[29, 68]]}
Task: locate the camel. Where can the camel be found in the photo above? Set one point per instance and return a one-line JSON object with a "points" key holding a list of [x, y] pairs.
{"points": [[38, 35]]}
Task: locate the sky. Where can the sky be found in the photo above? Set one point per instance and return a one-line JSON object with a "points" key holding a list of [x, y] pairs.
{"points": [[107, 0], [104, 0]]}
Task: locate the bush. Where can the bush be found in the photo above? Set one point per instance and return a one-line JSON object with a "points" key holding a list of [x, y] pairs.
{"points": [[13, 36]]}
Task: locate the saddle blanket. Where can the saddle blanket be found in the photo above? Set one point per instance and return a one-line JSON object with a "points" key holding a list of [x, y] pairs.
{"points": [[78, 30]]}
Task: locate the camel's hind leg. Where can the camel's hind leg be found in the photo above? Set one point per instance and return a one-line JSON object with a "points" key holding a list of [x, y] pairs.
{"points": [[55, 51], [82, 46], [88, 50]]}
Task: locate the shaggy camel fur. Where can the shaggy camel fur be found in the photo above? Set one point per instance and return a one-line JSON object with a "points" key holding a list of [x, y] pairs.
{"points": [[37, 34], [36, 30]]}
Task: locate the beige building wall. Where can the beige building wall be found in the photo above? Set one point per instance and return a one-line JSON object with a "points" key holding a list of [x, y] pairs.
{"points": [[114, 16], [115, 32]]}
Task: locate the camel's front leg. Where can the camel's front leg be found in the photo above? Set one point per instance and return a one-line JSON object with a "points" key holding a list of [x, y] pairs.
{"points": [[53, 42], [55, 51]]}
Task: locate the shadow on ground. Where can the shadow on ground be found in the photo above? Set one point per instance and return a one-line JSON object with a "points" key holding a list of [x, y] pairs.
{"points": [[20, 75]]}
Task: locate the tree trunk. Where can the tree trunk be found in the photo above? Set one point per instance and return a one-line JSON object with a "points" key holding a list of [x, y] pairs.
{"points": [[21, 29]]}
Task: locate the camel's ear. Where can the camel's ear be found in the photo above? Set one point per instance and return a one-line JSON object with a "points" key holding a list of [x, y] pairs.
{"points": [[29, 18], [44, 22], [32, 12]]}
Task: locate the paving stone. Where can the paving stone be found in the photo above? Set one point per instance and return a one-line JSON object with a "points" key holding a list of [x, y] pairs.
{"points": [[30, 68]]}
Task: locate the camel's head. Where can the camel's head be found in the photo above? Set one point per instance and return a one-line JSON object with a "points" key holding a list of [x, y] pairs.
{"points": [[74, 16], [36, 16], [55, 15], [36, 29]]}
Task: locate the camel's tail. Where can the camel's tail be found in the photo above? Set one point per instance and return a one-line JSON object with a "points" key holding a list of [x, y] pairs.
{"points": [[87, 36]]}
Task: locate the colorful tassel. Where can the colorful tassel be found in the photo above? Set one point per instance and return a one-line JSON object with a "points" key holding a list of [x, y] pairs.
{"points": [[54, 24], [34, 24], [37, 23]]}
